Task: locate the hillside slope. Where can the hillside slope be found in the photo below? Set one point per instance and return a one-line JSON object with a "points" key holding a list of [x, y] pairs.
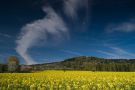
{"points": [[89, 63]]}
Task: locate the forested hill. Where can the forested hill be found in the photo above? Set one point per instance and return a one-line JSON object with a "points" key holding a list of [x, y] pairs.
{"points": [[89, 63]]}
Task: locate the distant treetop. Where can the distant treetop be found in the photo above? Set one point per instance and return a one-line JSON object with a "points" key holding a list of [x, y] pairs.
{"points": [[13, 59]]}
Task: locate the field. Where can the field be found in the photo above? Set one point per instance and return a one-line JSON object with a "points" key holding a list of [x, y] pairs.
{"points": [[68, 80]]}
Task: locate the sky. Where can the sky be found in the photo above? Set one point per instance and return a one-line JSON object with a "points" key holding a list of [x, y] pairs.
{"points": [[40, 31]]}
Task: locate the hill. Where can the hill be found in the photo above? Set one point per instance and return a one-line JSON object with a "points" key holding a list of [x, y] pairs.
{"points": [[88, 63]]}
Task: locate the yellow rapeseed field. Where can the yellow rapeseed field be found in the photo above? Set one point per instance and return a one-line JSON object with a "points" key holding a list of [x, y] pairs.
{"points": [[68, 80]]}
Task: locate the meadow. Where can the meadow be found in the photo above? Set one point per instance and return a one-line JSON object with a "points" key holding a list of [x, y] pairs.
{"points": [[68, 80]]}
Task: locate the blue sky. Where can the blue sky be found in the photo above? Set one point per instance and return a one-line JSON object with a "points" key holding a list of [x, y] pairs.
{"points": [[54, 30]]}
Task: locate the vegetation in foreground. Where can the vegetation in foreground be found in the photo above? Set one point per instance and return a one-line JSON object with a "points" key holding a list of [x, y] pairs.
{"points": [[68, 80]]}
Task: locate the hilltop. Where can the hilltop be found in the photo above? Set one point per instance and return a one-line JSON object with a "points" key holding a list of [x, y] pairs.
{"points": [[89, 63]]}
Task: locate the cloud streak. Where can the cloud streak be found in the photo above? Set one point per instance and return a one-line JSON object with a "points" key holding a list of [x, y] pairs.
{"points": [[31, 34], [122, 52], [109, 54], [122, 27], [117, 53], [5, 35], [71, 7], [71, 52]]}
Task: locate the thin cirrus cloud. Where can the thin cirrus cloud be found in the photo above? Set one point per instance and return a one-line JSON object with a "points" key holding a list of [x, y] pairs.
{"points": [[108, 54], [5, 35], [121, 27], [72, 6], [72, 52], [116, 53], [122, 52]]}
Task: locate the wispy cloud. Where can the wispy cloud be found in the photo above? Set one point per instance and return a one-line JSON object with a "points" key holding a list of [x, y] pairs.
{"points": [[71, 7], [116, 52], [122, 52], [51, 25], [121, 27], [1, 55], [109, 54], [72, 52], [5, 35]]}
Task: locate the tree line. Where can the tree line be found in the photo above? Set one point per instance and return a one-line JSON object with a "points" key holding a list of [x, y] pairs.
{"points": [[77, 63], [99, 64]]}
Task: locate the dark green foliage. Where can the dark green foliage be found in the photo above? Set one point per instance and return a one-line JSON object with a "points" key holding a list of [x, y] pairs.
{"points": [[13, 64], [1, 68], [89, 63], [77, 63]]}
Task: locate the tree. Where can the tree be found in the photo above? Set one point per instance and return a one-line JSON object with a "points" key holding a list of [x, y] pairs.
{"points": [[1, 67], [13, 64]]}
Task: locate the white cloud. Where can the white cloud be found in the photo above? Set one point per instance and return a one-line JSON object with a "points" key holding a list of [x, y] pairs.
{"points": [[71, 52], [71, 7], [51, 25], [109, 54], [118, 53], [122, 52], [122, 27], [5, 35]]}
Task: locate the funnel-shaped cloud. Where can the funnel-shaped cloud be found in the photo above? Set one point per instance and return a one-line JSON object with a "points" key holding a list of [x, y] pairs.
{"points": [[31, 34]]}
